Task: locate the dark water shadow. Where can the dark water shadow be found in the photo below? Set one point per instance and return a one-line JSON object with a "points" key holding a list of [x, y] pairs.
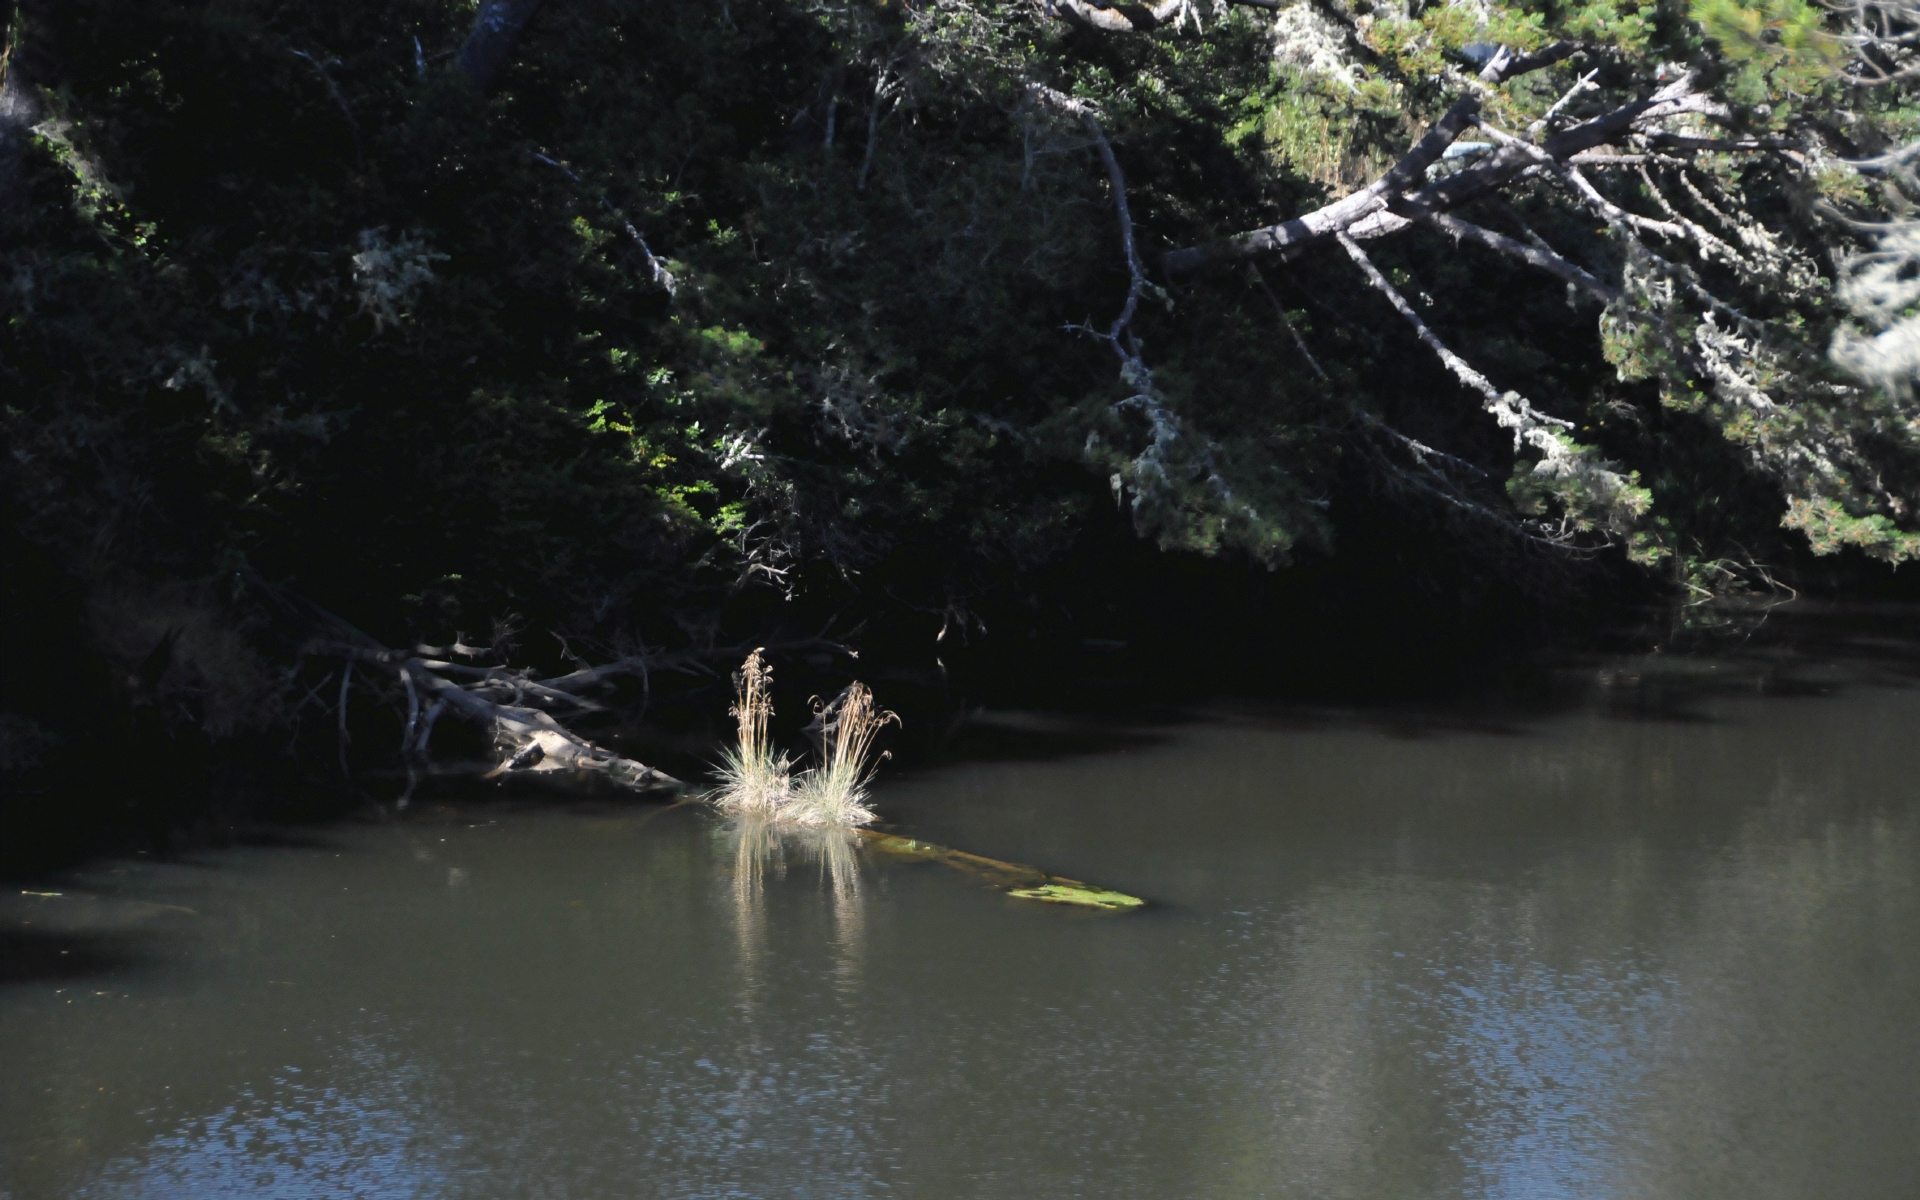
{"points": [[284, 837], [54, 956], [1398, 723], [982, 736]]}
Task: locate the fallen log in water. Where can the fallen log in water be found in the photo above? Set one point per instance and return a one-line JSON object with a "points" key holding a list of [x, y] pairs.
{"points": [[1016, 879]]}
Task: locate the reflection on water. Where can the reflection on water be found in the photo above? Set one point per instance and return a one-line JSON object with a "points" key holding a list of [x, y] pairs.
{"points": [[1590, 955], [356, 1137], [760, 850]]}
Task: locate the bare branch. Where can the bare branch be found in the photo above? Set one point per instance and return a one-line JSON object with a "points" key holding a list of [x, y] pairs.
{"points": [[656, 268], [1388, 205], [1140, 16], [1461, 369], [1509, 408], [885, 85], [346, 681], [333, 91], [1533, 256], [516, 730], [1678, 141], [1137, 285], [1335, 218], [1118, 18], [1580, 85], [1505, 65], [1286, 322]]}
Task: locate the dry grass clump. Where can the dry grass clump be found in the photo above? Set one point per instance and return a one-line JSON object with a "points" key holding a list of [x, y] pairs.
{"points": [[754, 777], [835, 792], [757, 780]]}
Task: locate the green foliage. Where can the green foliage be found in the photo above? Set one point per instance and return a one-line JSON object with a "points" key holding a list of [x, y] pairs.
{"points": [[1830, 528], [1777, 47], [283, 298]]}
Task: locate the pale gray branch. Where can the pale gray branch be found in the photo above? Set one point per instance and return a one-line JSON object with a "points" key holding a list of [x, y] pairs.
{"points": [[1533, 256], [1509, 408]]}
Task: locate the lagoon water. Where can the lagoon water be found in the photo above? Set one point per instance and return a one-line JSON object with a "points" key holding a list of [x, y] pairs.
{"points": [[1664, 942]]}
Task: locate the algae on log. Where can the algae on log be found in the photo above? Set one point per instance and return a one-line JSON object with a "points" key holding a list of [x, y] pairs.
{"points": [[1027, 883]]}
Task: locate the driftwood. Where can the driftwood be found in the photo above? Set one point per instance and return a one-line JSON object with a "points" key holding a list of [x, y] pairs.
{"points": [[1016, 879], [521, 715], [526, 738]]}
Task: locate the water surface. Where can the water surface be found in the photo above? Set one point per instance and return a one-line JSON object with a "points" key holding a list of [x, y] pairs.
{"points": [[1645, 949]]}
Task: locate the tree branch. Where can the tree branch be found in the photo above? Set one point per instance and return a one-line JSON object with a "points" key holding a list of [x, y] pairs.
{"points": [[1141, 16], [1118, 18], [1533, 256], [1387, 205], [1137, 285], [656, 267], [1509, 408], [1504, 66], [1335, 218], [521, 735]]}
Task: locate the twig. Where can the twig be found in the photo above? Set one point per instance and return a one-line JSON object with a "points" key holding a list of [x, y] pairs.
{"points": [[656, 268], [1286, 322], [406, 738], [1505, 405], [333, 90], [1585, 82], [1545, 259], [346, 679], [883, 87]]}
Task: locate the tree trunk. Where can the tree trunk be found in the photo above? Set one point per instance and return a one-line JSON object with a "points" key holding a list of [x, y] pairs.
{"points": [[19, 110], [490, 43]]}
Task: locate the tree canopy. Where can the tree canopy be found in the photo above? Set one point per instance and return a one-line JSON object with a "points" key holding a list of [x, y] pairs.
{"points": [[631, 320]]}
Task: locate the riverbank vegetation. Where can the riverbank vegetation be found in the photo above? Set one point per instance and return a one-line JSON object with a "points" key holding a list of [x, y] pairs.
{"points": [[639, 333], [756, 779]]}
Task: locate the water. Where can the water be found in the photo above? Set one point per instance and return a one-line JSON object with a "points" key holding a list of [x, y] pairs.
{"points": [[1665, 944]]}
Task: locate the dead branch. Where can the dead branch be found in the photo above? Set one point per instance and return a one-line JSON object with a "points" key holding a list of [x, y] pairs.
{"points": [[1137, 285], [526, 739], [1131, 18], [1535, 256], [1163, 456], [885, 85], [346, 681], [1390, 203], [1286, 322], [1433, 477], [1506, 65], [1509, 408], [1108, 16], [339, 100], [1453, 362], [656, 267], [457, 647], [1335, 218], [1580, 85]]}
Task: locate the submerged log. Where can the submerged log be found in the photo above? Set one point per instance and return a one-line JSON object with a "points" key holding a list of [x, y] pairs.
{"points": [[1015, 879]]}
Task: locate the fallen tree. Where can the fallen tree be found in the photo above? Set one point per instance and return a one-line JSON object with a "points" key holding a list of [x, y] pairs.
{"points": [[523, 717]]}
